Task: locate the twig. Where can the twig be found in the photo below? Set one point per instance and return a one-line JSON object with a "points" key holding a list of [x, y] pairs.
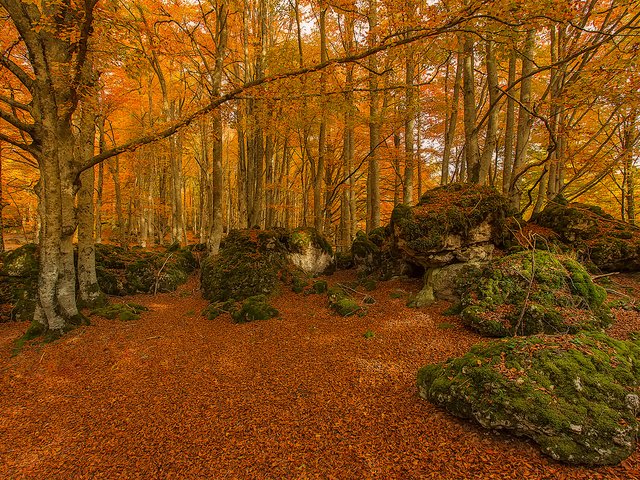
{"points": [[155, 288], [526, 298], [594, 277]]}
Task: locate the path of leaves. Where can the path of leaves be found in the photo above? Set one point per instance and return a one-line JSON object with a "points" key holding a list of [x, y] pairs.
{"points": [[174, 395]]}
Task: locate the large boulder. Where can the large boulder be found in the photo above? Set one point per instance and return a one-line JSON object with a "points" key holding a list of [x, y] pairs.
{"points": [[310, 251], [255, 262], [532, 292], [577, 397], [126, 271], [596, 236], [18, 283], [456, 223]]}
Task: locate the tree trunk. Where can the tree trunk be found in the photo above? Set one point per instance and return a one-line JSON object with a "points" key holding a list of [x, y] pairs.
{"points": [[409, 126], [451, 123], [509, 128], [524, 120], [373, 174], [472, 154], [492, 123]]}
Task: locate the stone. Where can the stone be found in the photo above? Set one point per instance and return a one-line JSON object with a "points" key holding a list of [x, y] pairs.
{"points": [[597, 238], [440, 284], [526, 386], [457, 223], [531, 292]]}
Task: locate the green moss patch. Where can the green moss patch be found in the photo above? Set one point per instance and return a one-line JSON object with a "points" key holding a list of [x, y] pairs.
{"points": [[342, 303], [18, 283], [254, 308], [532, 292], [577, 396], [121, 311]]}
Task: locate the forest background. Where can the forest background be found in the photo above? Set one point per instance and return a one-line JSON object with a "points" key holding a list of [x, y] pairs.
{"points": [[154, 122]]}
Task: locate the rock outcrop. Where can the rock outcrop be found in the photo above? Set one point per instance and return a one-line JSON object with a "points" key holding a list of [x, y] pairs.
{"points": [[597, 237]]}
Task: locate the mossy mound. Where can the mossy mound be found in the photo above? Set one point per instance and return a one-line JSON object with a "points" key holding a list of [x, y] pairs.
{"points": [[123, 272], [342, 303], [577, 397], [18, 283], [256, 262], [122, 311], [532, 292], [254, 308], [596, 236], [451, 224]]}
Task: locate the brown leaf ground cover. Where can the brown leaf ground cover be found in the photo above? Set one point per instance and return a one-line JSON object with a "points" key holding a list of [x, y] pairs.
{"points": [[174, 395]]}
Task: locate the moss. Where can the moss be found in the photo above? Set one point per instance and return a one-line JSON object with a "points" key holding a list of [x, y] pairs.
{"points": [[35, 330], [122, 311], [249, 263], [532, 292], [342, 303], [254, 308], [319, 287], [369, 284], [568, 393], [454, 209], [298, 284], [345, 307]]}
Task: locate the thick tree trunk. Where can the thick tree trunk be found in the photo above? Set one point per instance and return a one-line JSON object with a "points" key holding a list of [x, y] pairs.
{"points": [[492, 123]]}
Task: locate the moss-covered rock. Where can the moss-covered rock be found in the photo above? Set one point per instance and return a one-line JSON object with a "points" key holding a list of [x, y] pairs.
{"points": [[342, 303], [575, 396], [256, 262], [375, 254], [18, 283], [122, 272], [319, 287], [455, 223], [310, 251], [254, 308], [596, 236], [532, 292]]}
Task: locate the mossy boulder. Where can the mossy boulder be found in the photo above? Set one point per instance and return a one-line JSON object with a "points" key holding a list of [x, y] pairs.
{"points": [[126, 271], [256, 262], [440, 283], [597, 237], [310, 251], [18, 283], [532, 292], [577, 396], [375, 254], [455, 223]]}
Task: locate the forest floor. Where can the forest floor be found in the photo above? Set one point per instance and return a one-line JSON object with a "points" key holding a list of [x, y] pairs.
{"points": [[307, 395]]}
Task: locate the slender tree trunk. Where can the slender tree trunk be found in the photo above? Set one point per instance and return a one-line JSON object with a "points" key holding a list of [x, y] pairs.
{"points": [[492, 123], [451, 123], [2, 205], [524, 119], [409, 126], [373, 174], [509, 128], [471, 147]]}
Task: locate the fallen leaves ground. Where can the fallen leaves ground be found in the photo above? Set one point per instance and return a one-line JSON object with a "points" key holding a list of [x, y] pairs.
{"points": [[174, 395]]}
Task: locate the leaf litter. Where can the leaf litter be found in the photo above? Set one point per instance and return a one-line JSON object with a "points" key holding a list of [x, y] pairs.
{"points": [[306, 395]]}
